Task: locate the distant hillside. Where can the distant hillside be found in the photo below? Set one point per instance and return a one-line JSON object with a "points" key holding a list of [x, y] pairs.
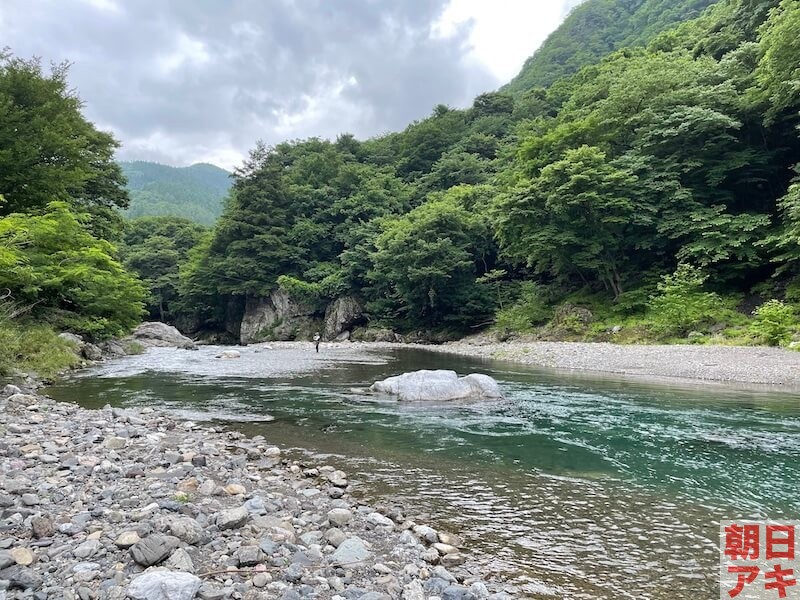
{"points": [[598, 27], [195, 192]]}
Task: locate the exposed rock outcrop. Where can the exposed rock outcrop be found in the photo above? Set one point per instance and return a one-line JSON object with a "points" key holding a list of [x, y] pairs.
{"points": [[438, 385], [276, 318], [154, 334], [340, 317]]}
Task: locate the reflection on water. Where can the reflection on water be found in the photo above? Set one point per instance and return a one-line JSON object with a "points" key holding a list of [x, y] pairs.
{"points": [[570, 487]]}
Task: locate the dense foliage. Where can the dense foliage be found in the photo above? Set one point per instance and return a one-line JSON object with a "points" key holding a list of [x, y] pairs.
{"points": [[196, 193]]}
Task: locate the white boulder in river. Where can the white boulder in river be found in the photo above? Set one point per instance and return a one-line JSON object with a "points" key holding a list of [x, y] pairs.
{"points": [[438, 385]]}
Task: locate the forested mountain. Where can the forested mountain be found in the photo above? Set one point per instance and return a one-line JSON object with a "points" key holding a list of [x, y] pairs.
{"points": [[196, 192], [594, 29]]}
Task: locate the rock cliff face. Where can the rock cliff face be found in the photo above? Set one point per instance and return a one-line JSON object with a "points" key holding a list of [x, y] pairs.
{"points": [[340, 317], [277, 317]]}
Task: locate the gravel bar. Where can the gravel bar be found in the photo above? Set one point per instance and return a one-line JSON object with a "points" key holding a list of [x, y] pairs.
{"points": [[699, 364], [113, 504]]}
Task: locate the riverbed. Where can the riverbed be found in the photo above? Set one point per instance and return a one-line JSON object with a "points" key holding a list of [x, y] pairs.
{"points": [[570, 487]]}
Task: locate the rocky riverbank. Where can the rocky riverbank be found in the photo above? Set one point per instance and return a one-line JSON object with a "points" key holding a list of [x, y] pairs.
{"points": [[697, 364], [114, 503]]}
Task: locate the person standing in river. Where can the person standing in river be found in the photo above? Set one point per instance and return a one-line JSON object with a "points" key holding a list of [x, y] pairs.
{"points": [[317, 338]]}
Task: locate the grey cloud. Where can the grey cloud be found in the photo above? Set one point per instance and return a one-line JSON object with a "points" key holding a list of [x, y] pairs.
{"points": [[187, 80]]}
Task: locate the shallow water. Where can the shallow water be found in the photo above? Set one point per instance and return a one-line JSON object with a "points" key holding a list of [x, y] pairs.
{"points": [[569, 488]]}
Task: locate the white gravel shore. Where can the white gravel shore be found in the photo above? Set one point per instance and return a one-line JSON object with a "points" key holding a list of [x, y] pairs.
{"points": [[709, 364]]}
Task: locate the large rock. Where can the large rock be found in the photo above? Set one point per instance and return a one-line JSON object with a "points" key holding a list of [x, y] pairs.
{"points": [[76, 340], [156, 334], [438, 385], [164, 585], [341, 315], [277, 317]]}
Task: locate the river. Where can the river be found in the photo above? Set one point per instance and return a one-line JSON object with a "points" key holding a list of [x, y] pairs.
{"points": [[571, 487]]}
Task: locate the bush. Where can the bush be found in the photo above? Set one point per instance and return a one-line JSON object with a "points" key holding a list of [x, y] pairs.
{"points": [[773, 323], [681, 304], [529, 311]]}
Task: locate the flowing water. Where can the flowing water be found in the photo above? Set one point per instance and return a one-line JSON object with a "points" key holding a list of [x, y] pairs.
{"points": [[571, 487]]}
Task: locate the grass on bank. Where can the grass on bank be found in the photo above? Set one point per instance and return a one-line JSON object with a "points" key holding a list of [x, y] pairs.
{"points": [[33, 348]]}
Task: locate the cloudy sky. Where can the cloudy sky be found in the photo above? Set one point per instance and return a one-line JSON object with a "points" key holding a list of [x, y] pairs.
{"points": [[183, 81]]}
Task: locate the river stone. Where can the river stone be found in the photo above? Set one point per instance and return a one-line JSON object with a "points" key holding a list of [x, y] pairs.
{"points": [[229, 354], [335, 536], [22, 556], [350, 552], [248, 556], [10, 390], [21, 578], [153, 549], [438, 385], [73, 339], [452, 559], [338, 478], [164, 585], [42, 527], [180, 561], [126, 539], [6, 559], [450, 539], [231, 519], [188, 530], [414, 591], [92, 352], [340, 516], [427, 534], [116, 443], [22, 399], [87, 549], [444, 548], [235, 489], [378, 519]]}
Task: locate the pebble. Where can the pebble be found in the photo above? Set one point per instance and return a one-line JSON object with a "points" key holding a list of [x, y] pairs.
{"points": [[22, 556], [126, 539]]}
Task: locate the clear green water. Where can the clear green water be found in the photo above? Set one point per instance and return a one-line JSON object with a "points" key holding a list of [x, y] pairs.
{"points": [[569, 488]]}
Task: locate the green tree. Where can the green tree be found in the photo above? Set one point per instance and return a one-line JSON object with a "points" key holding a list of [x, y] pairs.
{"points": [[49, 151], [155, 248], [67, 276], [578, 217], [426, 264]]}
